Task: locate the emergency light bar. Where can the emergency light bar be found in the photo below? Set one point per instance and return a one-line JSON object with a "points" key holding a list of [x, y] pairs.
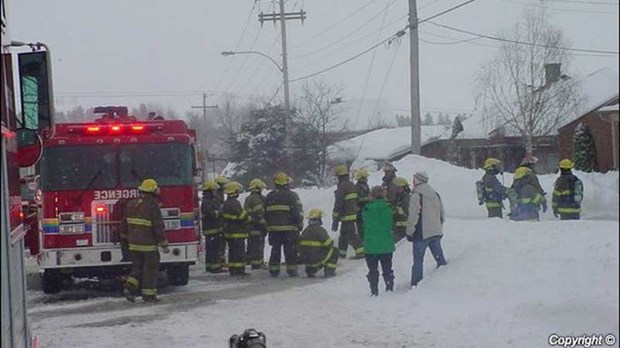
{"points": [[116, 129]]}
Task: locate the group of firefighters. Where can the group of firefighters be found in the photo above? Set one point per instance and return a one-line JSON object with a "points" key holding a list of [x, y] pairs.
{"points": [[526, 195], [279, 217]]}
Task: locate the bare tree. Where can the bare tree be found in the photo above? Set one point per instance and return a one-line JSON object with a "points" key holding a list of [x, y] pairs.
{"points": [[316, 112], [230, 116], [516, 93]]}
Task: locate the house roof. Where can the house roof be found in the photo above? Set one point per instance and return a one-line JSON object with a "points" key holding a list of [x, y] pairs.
{"points": [[610, 108]]}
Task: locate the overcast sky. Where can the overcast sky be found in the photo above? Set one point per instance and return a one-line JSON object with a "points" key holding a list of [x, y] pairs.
{"points": [[131, 51]]}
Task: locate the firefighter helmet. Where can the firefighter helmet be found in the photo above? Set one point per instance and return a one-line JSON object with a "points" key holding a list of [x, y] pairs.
{"points": [[281, 179], [490, 162], [566, 164], [256, 184], [148, 185], [521, 172], [400, 182], [209, 185], [233, 187], [315, 214], [221, 180], [341, 169], [361, 173]]}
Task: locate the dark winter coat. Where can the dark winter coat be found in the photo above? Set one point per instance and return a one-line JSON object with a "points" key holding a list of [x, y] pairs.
{"points": [[315, 245], [391, 190], [401, 210], [236, 219], [528, 199], [283, 211], [363, 192], [345, 206], [494, 191], [211, 214], [378, 220], [255, 206], [144, 224], [567, 194]]}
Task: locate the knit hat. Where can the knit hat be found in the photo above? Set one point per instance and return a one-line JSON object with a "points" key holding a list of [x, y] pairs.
{"points": [[421, 177]]}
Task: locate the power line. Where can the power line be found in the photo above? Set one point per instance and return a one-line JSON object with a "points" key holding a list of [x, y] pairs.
{"points": [[586, 2], [559, 9], [521, 42], [446, 11]]}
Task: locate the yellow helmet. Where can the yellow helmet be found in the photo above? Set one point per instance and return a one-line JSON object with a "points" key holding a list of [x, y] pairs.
{"points": [[209, 185], [400, 182], [256, 184], [566, 164], [281, 178], [233, 187], [490, 162], [361, 173], [521, 172], [341, 169], [221, 180], [315, 214], [148, 185]]}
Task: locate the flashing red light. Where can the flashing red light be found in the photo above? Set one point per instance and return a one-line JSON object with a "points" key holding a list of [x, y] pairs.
{"points": [[21, 214], [100, 209], [137, 128], [93, 129], [115, 128]]}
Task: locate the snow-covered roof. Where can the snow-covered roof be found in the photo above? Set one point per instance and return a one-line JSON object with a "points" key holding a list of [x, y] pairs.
{"points": [[382, 144], [610, 108], [598, 89]]}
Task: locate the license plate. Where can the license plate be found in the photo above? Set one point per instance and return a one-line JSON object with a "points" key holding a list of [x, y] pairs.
{"points": [[172, 224]]}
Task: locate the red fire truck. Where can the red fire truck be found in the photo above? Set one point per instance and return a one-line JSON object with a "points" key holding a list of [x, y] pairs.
{"points": [[90, 170]]}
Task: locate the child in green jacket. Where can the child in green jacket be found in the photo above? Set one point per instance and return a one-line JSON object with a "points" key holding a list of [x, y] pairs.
{"points": [[378, 240]]}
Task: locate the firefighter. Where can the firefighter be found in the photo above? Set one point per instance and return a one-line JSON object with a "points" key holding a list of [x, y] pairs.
{"points": [[236, 222], [389, 174], [212, 228], [255, 206], [529, 162], [567, 193], [345, 212], [525, 197], [145, 233], [401, 210], [363, 190], [490, 191], [317, 248], [283, 216]]}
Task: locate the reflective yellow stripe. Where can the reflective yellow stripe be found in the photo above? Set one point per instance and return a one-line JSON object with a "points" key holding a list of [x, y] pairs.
{"points": [[278, 208], [235, 217], [256, 208], [243, 215], [133, 281], [348, 218], [212, 231], [236, 264], [401, 224], [149, 292], [335, 214], [350, 196], [330, 265], [138, 247], [569, 210], [282, 228], [359, 250], [139, 222], [562, 192], [274, 267], [493, 205], [235, 235], [315, 243], [256, 233], [400, 211]]}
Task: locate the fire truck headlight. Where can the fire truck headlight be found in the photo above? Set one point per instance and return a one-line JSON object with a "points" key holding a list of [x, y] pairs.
{"points": [[71, 229], [71, 217]]}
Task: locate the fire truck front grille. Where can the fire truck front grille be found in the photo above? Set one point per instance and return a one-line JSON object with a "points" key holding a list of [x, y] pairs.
{"points": [[105, 221]]}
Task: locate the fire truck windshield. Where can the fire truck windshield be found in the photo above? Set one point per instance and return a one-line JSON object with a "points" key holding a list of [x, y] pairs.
{"points": [[78, 168], [168, 164]]}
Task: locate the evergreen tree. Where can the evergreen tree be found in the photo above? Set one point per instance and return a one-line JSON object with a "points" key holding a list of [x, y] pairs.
{"points": [[428, 119], [584, 149]]}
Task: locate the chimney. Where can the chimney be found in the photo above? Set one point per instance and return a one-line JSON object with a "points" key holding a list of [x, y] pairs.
{"points": [[552, 73]]}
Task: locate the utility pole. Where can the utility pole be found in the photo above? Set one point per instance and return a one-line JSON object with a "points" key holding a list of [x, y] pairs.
{"points": [[282, 17], [203, 146], [414, 65]]}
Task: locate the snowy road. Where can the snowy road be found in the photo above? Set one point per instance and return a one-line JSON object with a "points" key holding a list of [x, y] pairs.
{"points": [[507, 285]]}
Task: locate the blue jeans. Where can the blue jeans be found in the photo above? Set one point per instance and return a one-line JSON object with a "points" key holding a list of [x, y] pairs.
{"points": [[419, 249]]}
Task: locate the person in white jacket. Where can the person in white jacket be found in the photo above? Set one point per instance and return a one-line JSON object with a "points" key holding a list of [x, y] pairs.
{"points": [[424, 225]]}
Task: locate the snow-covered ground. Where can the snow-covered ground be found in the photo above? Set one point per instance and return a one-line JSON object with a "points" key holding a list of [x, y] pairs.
{"points": [[508, 284]]}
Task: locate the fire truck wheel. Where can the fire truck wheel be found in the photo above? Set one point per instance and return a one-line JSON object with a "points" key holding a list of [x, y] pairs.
{"points": [[178, 274], [51, 282]]}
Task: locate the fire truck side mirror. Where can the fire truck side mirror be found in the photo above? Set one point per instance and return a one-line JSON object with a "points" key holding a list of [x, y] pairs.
{"points": [[30, 147], [36, 90]]}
